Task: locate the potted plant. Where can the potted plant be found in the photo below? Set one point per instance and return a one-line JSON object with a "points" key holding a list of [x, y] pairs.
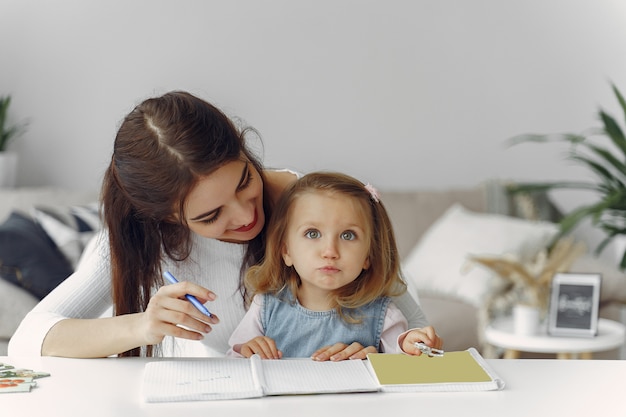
{"points": [[608, 168], [526, 288], [8, 160]]}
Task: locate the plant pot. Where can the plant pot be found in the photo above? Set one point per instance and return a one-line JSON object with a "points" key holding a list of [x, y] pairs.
{"points": [[526, 319], [618, 248], [8, 169]]}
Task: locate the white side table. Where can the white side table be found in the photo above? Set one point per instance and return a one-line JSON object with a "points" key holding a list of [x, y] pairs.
{"points": [[500, 333]]}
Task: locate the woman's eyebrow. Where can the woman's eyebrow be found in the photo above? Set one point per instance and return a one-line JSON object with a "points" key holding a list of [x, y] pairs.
{"points": [[244, 176]]}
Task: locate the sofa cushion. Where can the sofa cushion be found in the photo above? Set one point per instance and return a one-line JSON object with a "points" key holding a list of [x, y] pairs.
{"points": [[29, 258], [613, 285], [25, 198], [70, 227], [438, 265]]}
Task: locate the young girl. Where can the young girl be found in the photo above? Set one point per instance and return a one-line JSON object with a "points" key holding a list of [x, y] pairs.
{"points": [[323, 289]]}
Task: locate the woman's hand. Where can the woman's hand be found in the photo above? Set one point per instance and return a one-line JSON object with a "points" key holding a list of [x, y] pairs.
{"points": [[169, 313], [341, 351], [426, 335], [263, 346]]}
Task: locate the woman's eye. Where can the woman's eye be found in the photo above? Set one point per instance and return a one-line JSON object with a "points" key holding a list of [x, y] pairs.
{"points": [[348, 235], [211, 219], [312, 234]]}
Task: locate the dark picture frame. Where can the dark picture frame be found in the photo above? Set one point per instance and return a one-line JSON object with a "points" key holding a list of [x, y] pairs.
{"points": [[574, 304]]}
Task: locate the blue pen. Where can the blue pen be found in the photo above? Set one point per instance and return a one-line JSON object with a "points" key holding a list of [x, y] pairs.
{"points": [[168, 276]]}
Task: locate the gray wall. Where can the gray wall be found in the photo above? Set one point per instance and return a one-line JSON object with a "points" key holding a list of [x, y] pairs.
{"points": [[401, 93]]}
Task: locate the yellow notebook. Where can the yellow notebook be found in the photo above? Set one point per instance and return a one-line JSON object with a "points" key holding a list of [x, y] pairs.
{"points": [[454, 371]]}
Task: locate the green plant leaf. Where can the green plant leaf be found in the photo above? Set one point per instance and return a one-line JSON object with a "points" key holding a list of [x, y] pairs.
{"points": [[572, 219], [7, 134], [608, 168], [604, 174], [620, 99], [609, 157], [548, 186], [613, 131], [543, 138]]}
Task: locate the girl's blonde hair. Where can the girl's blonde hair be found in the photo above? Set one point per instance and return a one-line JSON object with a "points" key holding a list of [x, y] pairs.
{"points": [[382, 278]]}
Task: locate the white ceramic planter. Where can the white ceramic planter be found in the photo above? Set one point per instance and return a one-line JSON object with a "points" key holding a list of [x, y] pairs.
{"points": [[618, 247], [526, 319], [8, 169]]}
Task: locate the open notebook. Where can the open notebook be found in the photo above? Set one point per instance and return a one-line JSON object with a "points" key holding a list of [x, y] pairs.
{"points": [[230, 378]]}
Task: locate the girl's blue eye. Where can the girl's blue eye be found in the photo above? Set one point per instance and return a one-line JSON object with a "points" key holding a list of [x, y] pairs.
{"points": [[312, 234], [348, 235]]}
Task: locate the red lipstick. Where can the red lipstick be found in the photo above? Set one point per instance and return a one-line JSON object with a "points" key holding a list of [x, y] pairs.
{"points": [[248, 227]]}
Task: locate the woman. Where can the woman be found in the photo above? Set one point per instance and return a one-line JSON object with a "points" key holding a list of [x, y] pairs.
{"points": [[182, 194]]}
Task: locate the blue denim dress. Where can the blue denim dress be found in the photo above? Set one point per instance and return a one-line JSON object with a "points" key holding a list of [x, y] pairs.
{"points": [[299, 332]]}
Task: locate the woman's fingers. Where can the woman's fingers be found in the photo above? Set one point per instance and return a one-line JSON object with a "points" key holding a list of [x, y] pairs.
{"points": [[169, 313], [180, 289]]}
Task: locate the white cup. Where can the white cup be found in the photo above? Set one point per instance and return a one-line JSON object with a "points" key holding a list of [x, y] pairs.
{"points": [[525, 319]]}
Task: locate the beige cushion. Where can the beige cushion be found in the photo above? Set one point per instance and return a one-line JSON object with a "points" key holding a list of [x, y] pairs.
{"points": [[613, 285]]}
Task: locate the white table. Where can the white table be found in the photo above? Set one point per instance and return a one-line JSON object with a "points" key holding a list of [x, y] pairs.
{"points": [[500, 333], [111, 387]]}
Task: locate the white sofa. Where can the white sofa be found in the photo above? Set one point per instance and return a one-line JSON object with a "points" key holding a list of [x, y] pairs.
{"points": [[15, 301], [413, 214]]}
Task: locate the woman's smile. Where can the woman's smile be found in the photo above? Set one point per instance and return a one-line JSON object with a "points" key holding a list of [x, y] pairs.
{"points": [[249, 226]]}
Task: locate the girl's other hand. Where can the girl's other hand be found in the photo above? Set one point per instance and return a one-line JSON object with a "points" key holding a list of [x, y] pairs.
{"points": [[263, 346], [426, 335], [342, 351]]}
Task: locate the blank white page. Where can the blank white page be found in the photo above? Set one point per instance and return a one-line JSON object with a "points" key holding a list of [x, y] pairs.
{"points": [[305, 376], [210, 379]]}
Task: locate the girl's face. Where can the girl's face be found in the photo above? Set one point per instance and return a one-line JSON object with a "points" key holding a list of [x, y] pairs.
{"points": [[327, 241], [227, 204]]}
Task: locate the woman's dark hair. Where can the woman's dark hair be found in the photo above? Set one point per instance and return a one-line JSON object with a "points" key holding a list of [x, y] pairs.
{"points": [[163, 147]]}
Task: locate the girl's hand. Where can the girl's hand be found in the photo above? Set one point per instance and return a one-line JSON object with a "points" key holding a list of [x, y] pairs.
{"points": [[264, 346], [425, 335], [169, 313], [341, 351]]}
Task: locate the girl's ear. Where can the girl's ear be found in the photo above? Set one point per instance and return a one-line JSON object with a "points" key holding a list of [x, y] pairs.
{"points": [[286, 257], [366, 264]]}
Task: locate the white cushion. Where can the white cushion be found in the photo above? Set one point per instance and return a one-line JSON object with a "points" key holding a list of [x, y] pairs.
{"points": [[438, 264], [69, 227]]}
